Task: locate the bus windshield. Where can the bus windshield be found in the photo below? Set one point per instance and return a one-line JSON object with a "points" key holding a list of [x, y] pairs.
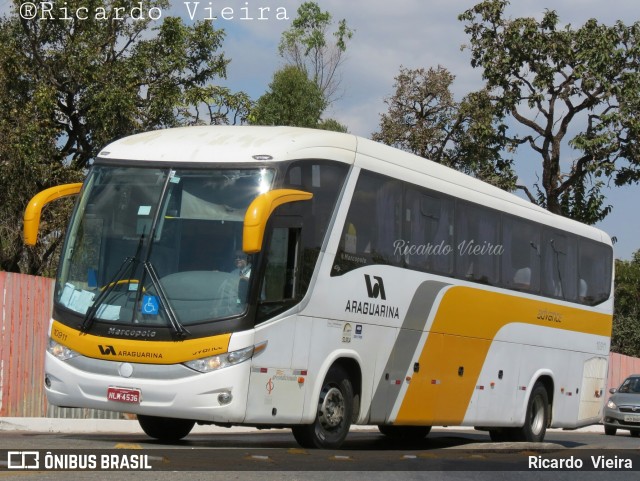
{"points": [[159, 247]]}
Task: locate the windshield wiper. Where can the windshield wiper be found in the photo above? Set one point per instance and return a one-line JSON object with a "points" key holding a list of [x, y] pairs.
{"points": [[90, 315], [176, 325]]}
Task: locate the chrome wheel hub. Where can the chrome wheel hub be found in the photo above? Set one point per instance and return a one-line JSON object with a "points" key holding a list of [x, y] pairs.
{"points": [[332, 409], [537, 416]]}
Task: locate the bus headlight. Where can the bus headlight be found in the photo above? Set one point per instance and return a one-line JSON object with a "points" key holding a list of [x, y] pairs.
{"points": [[220, 361], [60, 352]]}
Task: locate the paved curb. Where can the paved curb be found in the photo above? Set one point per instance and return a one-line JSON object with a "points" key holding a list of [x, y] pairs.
{"points": [[61, 425]]}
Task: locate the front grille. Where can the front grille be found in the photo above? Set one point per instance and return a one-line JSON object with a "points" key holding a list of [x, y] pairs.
{"points": [[630, 409]]}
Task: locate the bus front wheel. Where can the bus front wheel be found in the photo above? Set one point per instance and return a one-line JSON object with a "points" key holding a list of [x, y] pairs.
{"points": [[165, 429], [333, 418]]}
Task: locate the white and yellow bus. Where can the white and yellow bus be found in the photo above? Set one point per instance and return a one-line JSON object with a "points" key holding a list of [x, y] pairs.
{"points": [[283, 277]]}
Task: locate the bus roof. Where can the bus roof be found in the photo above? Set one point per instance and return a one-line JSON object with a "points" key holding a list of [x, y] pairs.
{"points": [[239, 144], [233, 144]]}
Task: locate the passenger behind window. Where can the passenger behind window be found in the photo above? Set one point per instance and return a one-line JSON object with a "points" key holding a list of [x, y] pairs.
{"points": [[242, 265], [583, 290], [350, 239], [522, 278]]}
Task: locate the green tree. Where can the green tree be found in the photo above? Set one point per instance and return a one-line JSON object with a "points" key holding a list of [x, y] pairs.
{"points": [[27, 165], [68, 87], [423, 118], [292, 99], [307, 46], [569, 89], [333, 125], [626, 321]]}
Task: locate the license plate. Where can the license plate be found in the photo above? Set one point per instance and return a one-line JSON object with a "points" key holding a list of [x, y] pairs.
{"points": [[632, 418], [123, 395]]}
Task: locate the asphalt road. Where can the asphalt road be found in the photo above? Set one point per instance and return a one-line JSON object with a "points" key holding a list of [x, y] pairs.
{"points": [[215, 453]]}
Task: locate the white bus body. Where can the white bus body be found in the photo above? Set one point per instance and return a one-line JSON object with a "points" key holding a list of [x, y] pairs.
{"points": [[403, 294]]}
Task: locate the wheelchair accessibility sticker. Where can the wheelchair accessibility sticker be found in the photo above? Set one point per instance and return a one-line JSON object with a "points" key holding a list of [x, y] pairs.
{"points": [[150, 305]]}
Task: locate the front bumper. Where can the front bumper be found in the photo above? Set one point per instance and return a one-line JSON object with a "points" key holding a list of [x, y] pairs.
{"points": [[621, 420], [173, 391]]}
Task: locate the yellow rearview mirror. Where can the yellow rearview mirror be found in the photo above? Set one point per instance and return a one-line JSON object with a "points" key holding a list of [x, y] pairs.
{"points": [[36, 204], [258, 213]]}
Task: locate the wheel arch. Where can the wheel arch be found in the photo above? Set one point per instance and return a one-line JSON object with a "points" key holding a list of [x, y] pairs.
{"points": [[546, 379], [549, 385], [351, 363], [354, 371]]}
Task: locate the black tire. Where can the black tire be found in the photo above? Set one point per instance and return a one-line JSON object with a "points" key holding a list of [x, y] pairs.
{"points": [[610, 431], [536, 419], [165, 429], [334, 415], [405, 433]]}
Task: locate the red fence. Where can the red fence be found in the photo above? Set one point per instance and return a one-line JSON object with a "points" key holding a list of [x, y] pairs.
{"points": [[25, 309], [620, 367]]}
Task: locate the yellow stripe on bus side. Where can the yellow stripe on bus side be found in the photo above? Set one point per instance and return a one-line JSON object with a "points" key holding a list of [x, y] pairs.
{"points": [[466, 323], [136, 350]]}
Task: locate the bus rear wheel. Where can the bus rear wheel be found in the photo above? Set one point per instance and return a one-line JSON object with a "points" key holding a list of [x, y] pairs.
{"points": [[165, 429], [334, 415], [405, 433], [536, 419]]}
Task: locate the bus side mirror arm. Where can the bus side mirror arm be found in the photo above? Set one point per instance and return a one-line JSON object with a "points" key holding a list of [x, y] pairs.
{"points": [[259, 211], [36, 204]]}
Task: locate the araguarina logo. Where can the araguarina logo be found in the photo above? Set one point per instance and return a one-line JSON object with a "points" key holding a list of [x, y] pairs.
{"points": [[375, 289], [105, 350]]}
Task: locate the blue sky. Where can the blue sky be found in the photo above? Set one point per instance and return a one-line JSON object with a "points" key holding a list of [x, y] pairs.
{"points": [[409, 33]]}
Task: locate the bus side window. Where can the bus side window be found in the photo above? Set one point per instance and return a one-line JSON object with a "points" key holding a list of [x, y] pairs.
{"points": [[388, 223], [521, 256], [594, 270], [428, 233], [477, 243], [373, 225], [559, 257], [357, 234]]}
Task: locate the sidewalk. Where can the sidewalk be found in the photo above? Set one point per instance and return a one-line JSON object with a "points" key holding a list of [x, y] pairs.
{"points": [[61, 425]]}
